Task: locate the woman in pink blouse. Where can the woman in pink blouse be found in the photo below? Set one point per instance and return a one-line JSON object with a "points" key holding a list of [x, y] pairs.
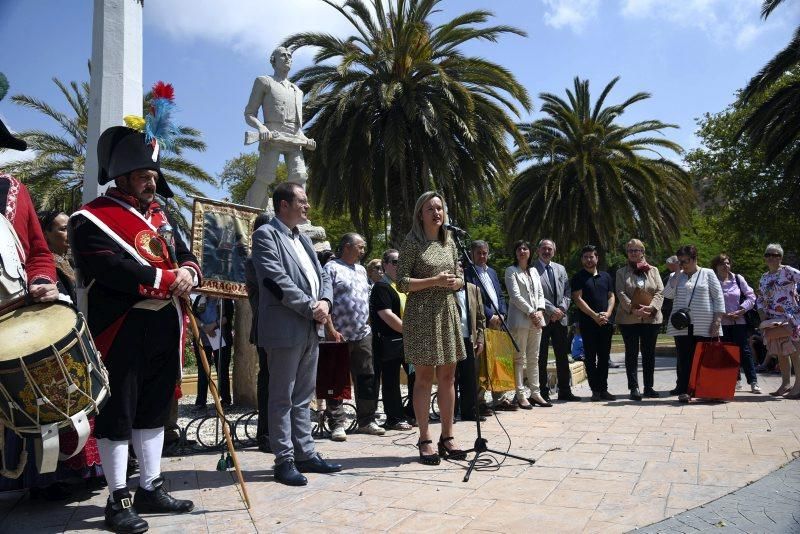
{"points": [[778, 302], [739, 299]]}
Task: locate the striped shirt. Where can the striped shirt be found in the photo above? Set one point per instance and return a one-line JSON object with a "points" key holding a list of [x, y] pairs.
{"points": [[706, 302]]}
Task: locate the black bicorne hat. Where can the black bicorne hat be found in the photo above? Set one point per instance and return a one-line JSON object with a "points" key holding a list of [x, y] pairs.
{"points": [[6, 139], [9, 141], [121, 150]]}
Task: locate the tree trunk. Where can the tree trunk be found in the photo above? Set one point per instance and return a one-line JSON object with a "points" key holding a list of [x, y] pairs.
{"points": [[400, 214], [245, 357]]}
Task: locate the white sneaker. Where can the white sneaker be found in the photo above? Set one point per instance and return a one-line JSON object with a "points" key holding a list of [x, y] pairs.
{"points": [[738, 385], [754, 388], [373, 429], [338, 434]]}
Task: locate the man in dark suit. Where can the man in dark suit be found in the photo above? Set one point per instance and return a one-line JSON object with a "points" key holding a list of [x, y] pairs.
{"points": [[555, 286], [466, 381], [492, 295], [293, 306]]}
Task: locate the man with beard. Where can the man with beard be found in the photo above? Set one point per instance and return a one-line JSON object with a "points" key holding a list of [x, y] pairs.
{"points": [[135, 274]]}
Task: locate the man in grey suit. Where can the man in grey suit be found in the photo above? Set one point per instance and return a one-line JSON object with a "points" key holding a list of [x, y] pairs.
{"points": [[294, 303], [555, 285]]}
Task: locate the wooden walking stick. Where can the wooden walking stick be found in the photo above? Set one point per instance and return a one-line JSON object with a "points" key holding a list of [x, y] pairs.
{"points": [[212, 386]]}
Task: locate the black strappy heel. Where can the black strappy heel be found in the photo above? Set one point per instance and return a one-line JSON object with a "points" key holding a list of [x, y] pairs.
{"points": [[427, 459], [453, 454]]}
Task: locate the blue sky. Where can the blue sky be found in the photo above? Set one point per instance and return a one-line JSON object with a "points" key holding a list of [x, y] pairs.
{"points": [[692, 55]]}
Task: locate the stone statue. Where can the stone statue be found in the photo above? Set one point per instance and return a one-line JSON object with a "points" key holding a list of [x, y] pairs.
{"points": [[281, 103]]}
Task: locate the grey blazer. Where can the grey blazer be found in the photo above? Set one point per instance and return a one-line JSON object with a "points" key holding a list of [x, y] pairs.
{"points": [[554, 297], [285, 300]]}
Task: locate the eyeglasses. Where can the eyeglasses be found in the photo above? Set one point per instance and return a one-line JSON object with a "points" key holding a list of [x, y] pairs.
{"points": [[772, 255], [634, 250], [393, 262], [684, 262]]}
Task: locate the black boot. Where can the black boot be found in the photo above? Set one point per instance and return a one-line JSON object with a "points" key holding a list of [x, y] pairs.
{"points": [[120, 515], [159, 501], [635, 395]]}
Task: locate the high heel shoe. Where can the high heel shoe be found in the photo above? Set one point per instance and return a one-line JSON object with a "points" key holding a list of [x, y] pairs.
{"points": [[428, 459], [539, 400], [453, 454], [780, 391]]}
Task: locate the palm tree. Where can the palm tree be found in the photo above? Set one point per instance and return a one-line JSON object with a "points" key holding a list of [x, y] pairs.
{"points": [[55, 176], [590, 181], [397, 109], [775, 124]]}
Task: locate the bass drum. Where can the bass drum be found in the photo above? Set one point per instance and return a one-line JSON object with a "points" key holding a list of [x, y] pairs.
{"points": [[50, 370]]}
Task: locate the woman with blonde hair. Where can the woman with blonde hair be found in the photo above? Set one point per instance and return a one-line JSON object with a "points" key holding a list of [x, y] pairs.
{"points": [[640, 293], [428, 274]]}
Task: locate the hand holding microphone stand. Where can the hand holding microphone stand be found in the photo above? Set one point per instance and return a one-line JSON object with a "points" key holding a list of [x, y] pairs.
{"points": [[481, 444]]}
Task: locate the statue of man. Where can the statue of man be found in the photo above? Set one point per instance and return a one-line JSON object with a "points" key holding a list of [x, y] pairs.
{"points": [[281, 103]]}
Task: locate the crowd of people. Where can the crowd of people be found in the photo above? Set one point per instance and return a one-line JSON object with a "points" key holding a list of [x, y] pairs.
{"points": [[419, 308]]}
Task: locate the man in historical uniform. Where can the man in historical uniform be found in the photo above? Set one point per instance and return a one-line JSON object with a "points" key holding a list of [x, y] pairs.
{"points": [[25, 259], [281, 103], [134, 274]]}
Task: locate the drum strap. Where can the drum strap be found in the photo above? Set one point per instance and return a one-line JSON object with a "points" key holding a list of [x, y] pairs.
{"points": [[23, 456], [47, 450]]}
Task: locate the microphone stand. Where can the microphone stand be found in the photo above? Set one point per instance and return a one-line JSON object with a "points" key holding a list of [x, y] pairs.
{"points": [[481, 444]]}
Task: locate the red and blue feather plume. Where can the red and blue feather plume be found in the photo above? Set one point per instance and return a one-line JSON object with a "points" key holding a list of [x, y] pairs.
{"points": [[158, 127]]}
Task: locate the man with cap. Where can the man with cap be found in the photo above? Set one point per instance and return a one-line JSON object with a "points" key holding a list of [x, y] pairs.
{"points": [[31, 269], [134, 272]]}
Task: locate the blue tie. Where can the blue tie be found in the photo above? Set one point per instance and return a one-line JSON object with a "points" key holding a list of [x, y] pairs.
{"points": [[552, 278]]}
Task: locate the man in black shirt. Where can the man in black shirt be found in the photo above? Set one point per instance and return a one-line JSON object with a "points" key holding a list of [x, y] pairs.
{"points": [[593, 293]]}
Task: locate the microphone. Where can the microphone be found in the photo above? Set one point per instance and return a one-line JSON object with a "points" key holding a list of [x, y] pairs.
{"points": [[455, 229]]}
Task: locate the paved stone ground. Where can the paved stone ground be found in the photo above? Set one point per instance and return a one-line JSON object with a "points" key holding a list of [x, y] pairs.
{"points": [[770, 505], [600, 467]]}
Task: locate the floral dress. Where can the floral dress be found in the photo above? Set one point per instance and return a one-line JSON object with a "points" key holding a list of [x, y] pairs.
{"points": [[778, 297]]}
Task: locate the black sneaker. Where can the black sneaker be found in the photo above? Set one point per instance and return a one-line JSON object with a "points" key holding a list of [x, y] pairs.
{"points": [[159, 501], [121, 516]]}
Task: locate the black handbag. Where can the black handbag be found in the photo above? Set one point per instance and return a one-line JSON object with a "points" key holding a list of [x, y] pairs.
{"points": [[751, 316], [681, 319]]}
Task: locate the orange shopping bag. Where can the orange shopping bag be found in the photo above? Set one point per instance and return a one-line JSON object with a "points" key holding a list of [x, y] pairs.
{"points": [[497, 366], [715, 369]]}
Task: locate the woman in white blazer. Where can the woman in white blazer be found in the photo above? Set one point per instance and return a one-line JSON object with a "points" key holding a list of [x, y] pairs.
{"points": [[525, 321]]}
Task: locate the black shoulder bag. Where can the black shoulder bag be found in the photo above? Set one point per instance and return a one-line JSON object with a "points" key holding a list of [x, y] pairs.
{"points": [[681, 318], [751, 316]]}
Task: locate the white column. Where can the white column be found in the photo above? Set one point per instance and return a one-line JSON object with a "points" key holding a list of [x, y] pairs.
{"points": [[116, 77]]}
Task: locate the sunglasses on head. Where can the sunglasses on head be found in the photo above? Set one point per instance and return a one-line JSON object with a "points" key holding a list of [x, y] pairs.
{"points": [[772, 255]]}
